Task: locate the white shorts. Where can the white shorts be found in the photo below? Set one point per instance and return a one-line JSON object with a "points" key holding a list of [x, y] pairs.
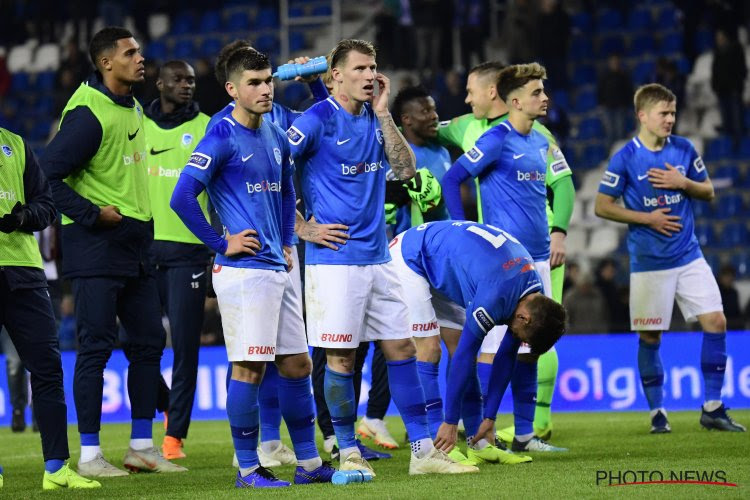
{"points": [[652, 295], [347, 305], [428, 308], [261, 313], [495, 336]]}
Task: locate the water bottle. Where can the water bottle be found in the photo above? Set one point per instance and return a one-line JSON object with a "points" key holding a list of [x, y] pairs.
{"points": [[312, 67], [351, 476]]}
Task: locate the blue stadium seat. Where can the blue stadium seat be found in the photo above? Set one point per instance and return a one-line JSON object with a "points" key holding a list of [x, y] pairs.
{"points": [[702, 209], [40, 130], [593, 155], [322, 10], [297, 41], [730, 205], [267, 43], [705, 233], [238, 21], [741, 262], [608, 20], [210, 46], [44, 107], [210, 22], [714, 261], [643, 72], [561, 99], [639, 20], [581, 48], [703, 40], [184, 49], [585, 101], [668, 18], [157, 50], [683, 65], [744, 152], [731, 172], [296, 11], [612, 44], [583, 74], [734, 234], [182, 24], [590, 128], [20, 82], [719, 149], [267, 18], [46, 80], [581, 21], [641, 45], [671, 44]]}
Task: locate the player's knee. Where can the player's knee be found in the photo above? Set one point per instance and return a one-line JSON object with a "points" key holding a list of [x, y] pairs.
{"points": [[399, 350], [650, 337], [341, 360], [714, 322], [428, 349], [295, 366]]}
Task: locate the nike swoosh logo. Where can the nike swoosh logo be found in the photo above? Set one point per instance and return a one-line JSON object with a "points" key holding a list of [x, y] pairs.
{"points": [[246, 433], [245, 158], [155, 152], [339, 143], [196, 276], [515, 157], [132, 136], [641, 177]]}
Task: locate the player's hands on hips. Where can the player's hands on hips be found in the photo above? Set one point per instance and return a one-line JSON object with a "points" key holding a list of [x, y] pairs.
{"points": [[380, 101], [326, 235], [288, 258], [109, 216], [556, 249], [242, 242], [661, 222], [486, 431], [447, 436], [671, 178]]}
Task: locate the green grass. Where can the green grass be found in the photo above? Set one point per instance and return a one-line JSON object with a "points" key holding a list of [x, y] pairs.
{"points": [[598, 441]]}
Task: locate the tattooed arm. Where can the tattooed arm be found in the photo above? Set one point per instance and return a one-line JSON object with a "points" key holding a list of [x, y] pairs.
{"points": [[397, 150]]}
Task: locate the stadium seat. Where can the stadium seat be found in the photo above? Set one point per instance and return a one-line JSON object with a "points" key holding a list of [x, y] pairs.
{"points": [[704, 231], [46, 58], [583, 74], [210, 22], [585, 101], [46, 81], [667, 18], [267, 18], [267, 43], [581, 49], [703, 40], [608, 20], [744, 152], [643, 72], [39, 131], [20, 81], [734, 234], [238, 21], [639, 20], [581, 21], [157, 50], [702, 209], [641, 45], [297, 41], [184, 49], [730, 205], [322, 10], [671, 44], [210, 46], [296, 11], [714, 261], [158, 25], [683, 65], [718, 149], [612, 44], [19, 58], [44, 106], [590, 128], [593, 155], [561, 99], [730, 172], [741, 262], [183, 24]]}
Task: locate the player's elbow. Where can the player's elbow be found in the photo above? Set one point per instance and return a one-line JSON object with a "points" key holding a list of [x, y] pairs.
{"points": [[599, 207]]}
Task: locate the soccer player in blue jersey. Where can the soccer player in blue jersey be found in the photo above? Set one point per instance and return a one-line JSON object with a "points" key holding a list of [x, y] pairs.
{"points": [[489, 273], [510, 161], [244, 164], [658, 175], [343, 147]]}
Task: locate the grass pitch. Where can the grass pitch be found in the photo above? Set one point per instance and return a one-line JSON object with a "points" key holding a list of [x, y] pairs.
{"points": [[615, 442]]}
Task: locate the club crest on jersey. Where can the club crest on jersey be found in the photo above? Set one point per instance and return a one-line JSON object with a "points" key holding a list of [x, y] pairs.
{"points": [[680, 169], [199, 160], [379, 135], [483, 319], [474, 154], [543, 152], [277, 155], [187, 139], [7, 151], [698, 165], [294, 135], [139, 111], [610, 179]]}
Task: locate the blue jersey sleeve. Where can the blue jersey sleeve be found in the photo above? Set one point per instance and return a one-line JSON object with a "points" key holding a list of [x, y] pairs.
{"points": [[614, 178], [209, 155], [697, 170], [304, 135], [483, 155]]}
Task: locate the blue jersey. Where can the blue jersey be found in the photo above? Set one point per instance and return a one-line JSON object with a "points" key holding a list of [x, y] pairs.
{"points": [[627, 176], [279, 114], [342, 165], [242, 170], [478, 266], [511, 168]]}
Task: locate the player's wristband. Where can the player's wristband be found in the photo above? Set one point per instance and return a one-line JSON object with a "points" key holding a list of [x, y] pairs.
{"points": [[556, 229]]}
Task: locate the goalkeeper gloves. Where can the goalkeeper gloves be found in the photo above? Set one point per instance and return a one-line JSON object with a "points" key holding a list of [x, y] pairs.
{"points": [[424, 190]]}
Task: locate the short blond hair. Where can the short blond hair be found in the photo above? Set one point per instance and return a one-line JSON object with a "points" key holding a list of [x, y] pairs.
{"points": [[650, 94], [516, 76], [340, 52]]}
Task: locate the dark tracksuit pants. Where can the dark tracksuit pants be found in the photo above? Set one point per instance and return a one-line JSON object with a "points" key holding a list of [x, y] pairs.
{"points": [[98, 301], [182, 292], [27, 315], [380, 393]]}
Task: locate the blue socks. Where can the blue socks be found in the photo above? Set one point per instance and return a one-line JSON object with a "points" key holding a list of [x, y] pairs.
{"points": [[408, 396], [652, 373], [242, 410], [523, 384], [484, 370], [471, 406], [713, 364], [339, 394], [52, 466], [141, 428], [428, 376], [296, 402], [268, 401], [89, 439]]}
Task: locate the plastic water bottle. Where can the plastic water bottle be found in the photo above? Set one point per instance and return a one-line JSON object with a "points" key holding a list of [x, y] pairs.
{"points": [[351, 476], [314, 66]]}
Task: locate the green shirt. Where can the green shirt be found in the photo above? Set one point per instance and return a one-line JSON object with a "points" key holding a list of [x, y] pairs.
{"points": [[116, 175], [18, 248], [168, 150]]}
